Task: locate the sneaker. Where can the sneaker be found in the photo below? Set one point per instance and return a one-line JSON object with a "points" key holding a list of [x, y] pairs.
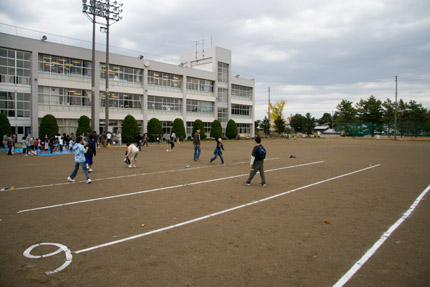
{"points": [[89, 180], [90, 170], [130, 166], [246, 183], [263, 184], [70, 179], [133, 166]]}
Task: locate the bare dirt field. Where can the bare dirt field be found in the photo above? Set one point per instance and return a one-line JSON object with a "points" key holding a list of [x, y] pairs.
{"points": [[163, 224]]}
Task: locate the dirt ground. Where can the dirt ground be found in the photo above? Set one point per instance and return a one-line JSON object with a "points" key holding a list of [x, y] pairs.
{"points": [[337, 198]]}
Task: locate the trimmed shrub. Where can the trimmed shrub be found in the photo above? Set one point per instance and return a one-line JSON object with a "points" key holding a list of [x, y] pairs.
{"points": [[48, 126], [130, 129], [155, 129], [216, 129], [83, 126], [179, 128], [5, 128], [231, 131], [199, 124]]}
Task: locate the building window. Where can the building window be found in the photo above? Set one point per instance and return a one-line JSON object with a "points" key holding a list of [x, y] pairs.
{"points": [[15, 67], [244, 128], [64, 66], [223, 115], [240, 110], [222, 95], [161, 80], [194, 106], [121, 74], [241, 92], [53, 96], [156, 103], [200, 85], [121, 100], [167, 127], [14, 104], [222, 72]]}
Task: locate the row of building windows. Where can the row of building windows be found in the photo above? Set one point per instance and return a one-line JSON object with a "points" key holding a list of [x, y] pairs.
{"points": [[164, 80], [64, 66], [241, 92], [164, 104], [15, 66], [14, 104], [200, 85], [54, 96], [120, 73], [240, 110], [122, 100]]}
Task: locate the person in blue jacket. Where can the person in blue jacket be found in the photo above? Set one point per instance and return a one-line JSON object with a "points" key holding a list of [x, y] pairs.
{"points": [[79, 151]]}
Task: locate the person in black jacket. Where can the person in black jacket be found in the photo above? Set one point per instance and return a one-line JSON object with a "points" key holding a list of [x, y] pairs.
{"points": [[90, 151], [217, 150], [257, 162]]}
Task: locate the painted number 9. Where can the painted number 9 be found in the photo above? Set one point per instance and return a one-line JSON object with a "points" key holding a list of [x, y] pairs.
{"points": [[61, 248]]}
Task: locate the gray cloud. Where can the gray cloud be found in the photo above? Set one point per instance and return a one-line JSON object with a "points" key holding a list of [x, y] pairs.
{"points": [[311, 53]]}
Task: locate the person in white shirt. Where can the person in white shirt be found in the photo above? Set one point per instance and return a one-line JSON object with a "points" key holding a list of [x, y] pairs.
{"points": [[131, 153]]}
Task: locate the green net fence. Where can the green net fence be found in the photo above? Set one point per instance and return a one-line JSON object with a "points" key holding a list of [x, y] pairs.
{"points": [[405, 129]]}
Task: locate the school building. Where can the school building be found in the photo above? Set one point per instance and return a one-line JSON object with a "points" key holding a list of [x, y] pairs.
{"points": [[39, 77]]}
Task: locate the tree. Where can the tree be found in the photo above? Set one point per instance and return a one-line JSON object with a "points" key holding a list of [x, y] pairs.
{"points": [[279, 124], [83, 126], [265, 125], [130, 129], [48, 126], [326, 119], [155, 129], [216, 129], [5, 128], [417, 117], [198, 124], [345, 116], [231, 130], [370, 112], [298, 123], [388, 114], [179, 128], [276, 110], [309, 124]]}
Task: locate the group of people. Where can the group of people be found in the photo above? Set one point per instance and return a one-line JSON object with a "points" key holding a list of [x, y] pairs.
{"points": [[258, 155], [85, 151]]}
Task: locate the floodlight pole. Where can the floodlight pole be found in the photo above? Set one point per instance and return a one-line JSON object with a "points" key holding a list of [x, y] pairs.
{"points": [[395, 112], [107, 75]]}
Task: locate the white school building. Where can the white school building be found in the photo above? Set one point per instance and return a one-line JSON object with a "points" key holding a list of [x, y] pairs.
{"points": [[40, 77]]}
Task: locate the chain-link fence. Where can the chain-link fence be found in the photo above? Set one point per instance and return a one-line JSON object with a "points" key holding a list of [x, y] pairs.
{"points": [[404, 129]]}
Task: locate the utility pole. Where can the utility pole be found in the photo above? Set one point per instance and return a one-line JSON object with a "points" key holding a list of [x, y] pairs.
{"points": [[268, 110], [395, 112]]}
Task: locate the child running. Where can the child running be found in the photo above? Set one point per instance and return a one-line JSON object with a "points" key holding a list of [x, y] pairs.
{"points": [[217, 151], [79, 151]]}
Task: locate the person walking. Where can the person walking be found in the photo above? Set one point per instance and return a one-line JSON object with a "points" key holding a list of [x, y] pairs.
{"points": [[145, 140], [257, 162], [172, 141], [119, 138], [131, 153], [5, 139], [217, 151], [79, 151], [139, 141], [196, 143], [90, 152]]}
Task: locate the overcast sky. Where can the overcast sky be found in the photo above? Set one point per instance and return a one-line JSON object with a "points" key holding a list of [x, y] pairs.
{"points": [[311, 53]]}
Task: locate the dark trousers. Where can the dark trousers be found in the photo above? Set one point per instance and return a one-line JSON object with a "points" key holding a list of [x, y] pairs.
{"points": [[257, 166]]}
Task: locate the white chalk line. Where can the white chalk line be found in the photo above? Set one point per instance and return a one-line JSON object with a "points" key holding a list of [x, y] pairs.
{"points": [[217, 213], [156, 189], [351, 272], [128, 175]]}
